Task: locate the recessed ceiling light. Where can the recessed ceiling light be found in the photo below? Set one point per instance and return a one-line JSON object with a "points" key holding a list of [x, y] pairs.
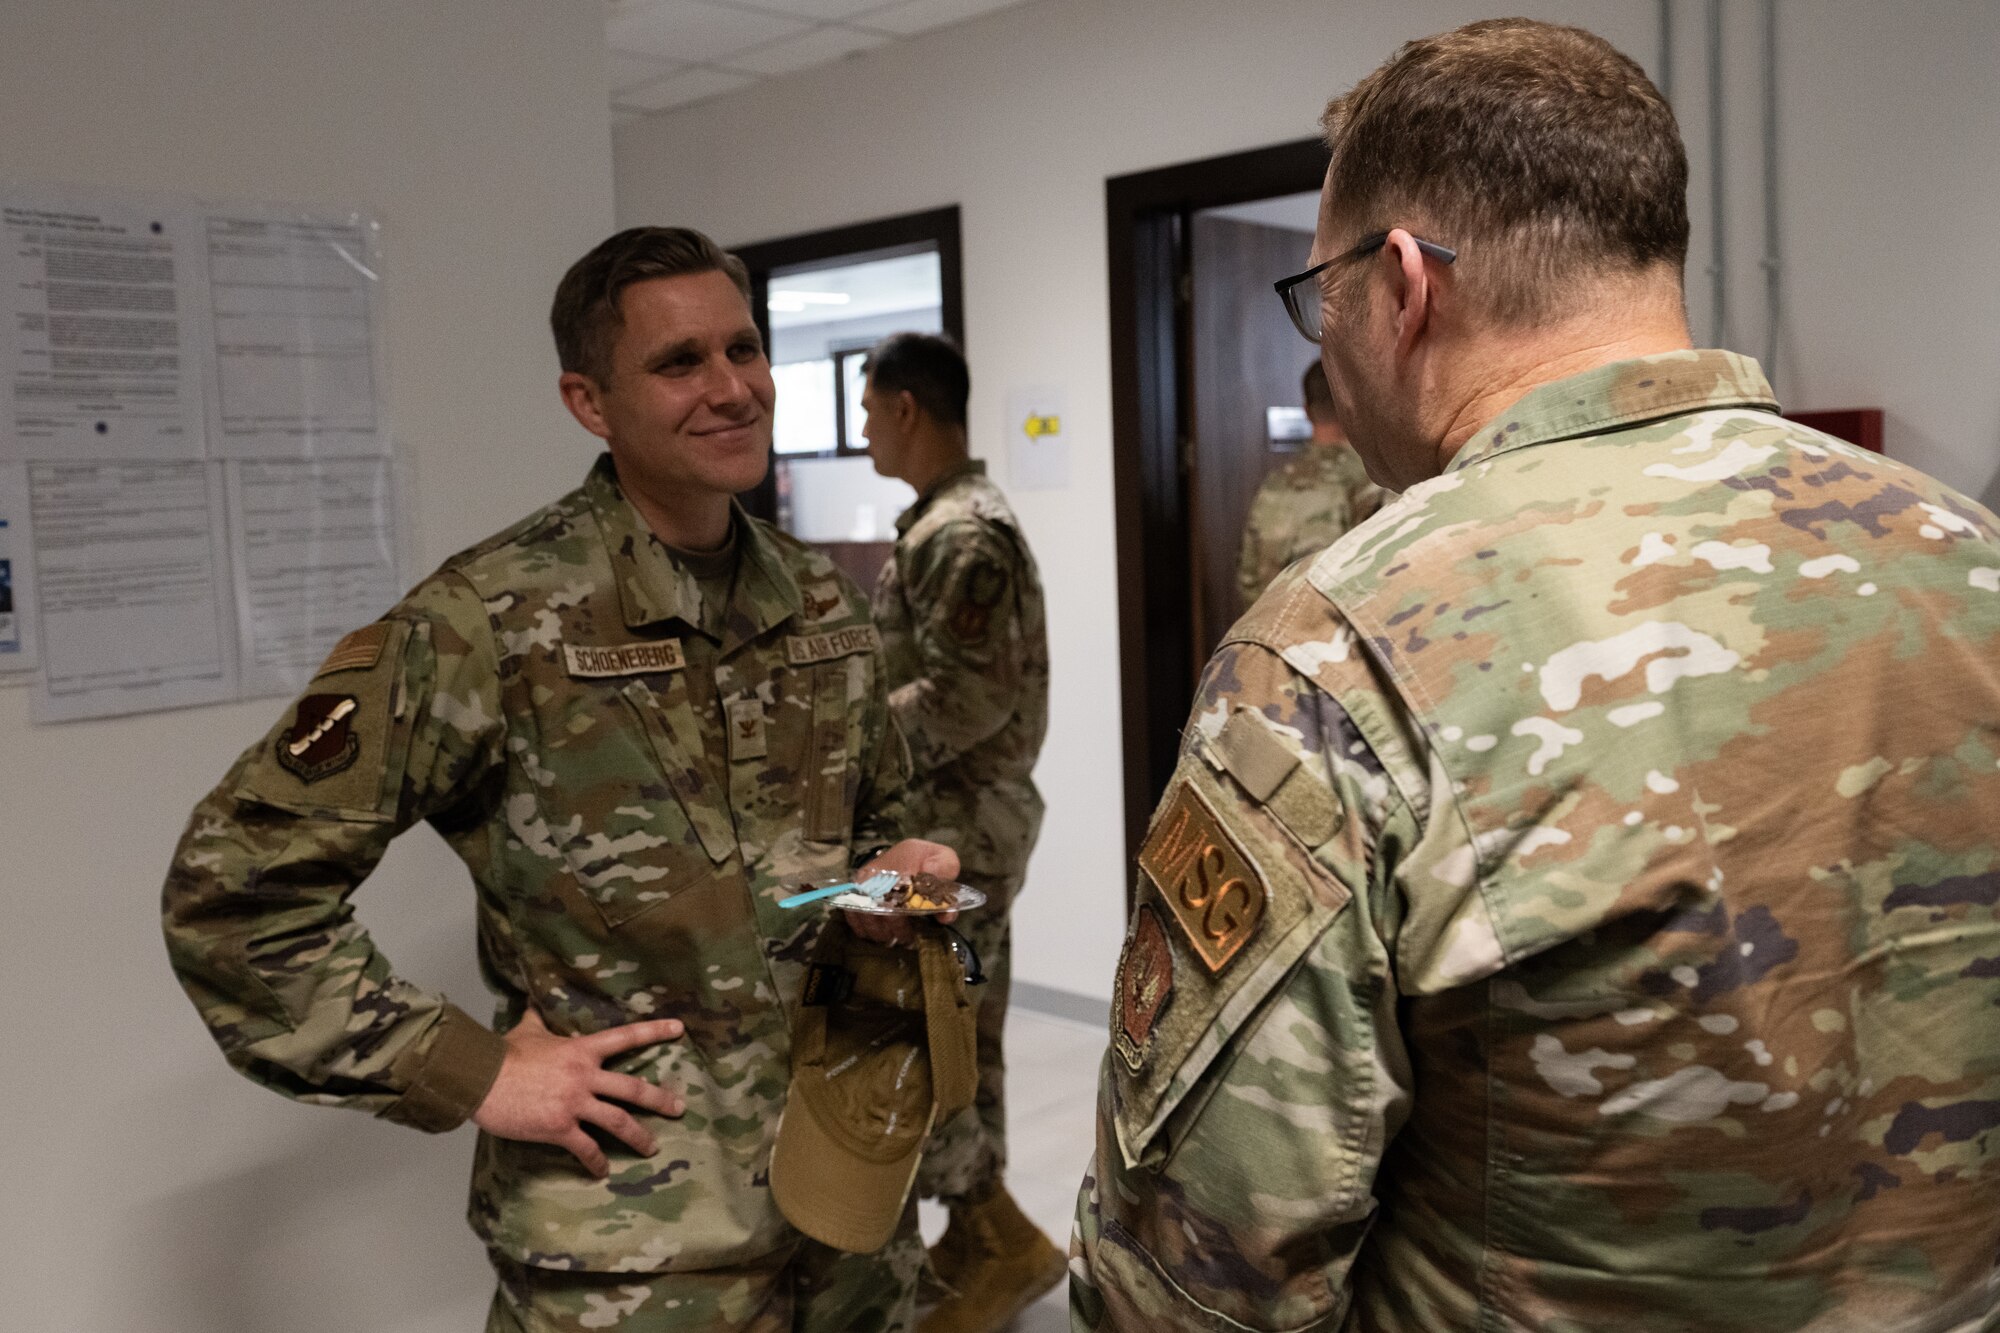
{"points": [[791, 303]]}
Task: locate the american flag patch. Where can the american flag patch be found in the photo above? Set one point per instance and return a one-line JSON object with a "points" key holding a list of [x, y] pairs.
{"points": [[357, 651]]}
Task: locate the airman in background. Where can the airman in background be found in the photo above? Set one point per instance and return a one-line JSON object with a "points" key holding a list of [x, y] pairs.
{"points": [[623, 717], [1578, 902], [963, 637], [1308, 501]]}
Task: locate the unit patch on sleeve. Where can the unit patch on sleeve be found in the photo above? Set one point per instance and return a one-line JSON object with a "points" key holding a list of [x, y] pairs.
{"points": [[624, 659], [1211, 885], [806, 649], [1145, 987], [358, 651], [984, 587], [321, 740]]}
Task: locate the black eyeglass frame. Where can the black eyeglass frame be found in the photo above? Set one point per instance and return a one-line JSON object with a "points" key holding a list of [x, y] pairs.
{"points": [[1287, 288]]}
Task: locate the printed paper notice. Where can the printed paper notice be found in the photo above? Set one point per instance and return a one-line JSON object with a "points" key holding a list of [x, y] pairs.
{"points": [[314, 557], [1037, 449], [298, 349], [134, 606], [102, 329], [17, 575]]}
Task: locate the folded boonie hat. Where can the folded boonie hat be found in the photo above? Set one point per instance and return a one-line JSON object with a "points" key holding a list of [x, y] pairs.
{"points": [[883, 1050]]}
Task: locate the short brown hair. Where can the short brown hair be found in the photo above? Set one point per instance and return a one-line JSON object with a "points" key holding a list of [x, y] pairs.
{"points": [[585, 317], [1541, 153]]}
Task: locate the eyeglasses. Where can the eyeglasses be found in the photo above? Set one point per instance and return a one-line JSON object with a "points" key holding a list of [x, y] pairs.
{"points": [[1303, 303]]}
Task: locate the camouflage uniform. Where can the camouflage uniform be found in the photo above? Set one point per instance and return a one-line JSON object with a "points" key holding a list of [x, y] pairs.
{"points": [[1575, 907], [807, 1288], [964, 644], [631, 796], [1304, 506]]}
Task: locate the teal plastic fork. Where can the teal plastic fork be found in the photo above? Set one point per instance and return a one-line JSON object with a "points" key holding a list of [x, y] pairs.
{"points": [[876, 886]]}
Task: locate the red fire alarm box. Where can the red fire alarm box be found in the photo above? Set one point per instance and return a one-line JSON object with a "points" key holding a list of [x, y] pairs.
{"points": [[1856, 425]]}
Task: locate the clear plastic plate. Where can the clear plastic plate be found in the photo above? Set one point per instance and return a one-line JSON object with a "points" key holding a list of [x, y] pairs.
{"points": [[935, 895]]}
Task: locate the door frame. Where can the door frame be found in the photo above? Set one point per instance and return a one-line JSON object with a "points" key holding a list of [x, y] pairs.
{"points": [[1146, 225]]}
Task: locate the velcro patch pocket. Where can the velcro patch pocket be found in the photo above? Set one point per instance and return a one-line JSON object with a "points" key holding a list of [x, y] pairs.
{"points": [[1227, 905], [1274, 776], [339, 749]]}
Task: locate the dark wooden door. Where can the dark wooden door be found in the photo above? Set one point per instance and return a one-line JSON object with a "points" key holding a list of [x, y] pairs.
{"points": [[1246, 357], [1148, 229]]}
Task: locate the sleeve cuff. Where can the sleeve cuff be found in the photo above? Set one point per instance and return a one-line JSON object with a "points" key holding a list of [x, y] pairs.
{"points": [[453, 1075]]}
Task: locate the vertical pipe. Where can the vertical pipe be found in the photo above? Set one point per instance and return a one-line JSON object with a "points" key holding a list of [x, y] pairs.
{"points": [[1667, 49], [1717, 146], [1771, 242]]}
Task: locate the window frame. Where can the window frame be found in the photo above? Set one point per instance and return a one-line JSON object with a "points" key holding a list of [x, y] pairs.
{"points": [[936, 228]]}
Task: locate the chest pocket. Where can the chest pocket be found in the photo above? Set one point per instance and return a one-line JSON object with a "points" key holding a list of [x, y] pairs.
{"points": [[622, 797], [832, 781]]}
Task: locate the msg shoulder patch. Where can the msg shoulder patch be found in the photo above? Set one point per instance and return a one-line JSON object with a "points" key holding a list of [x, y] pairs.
{"points": [[1211, 885]]}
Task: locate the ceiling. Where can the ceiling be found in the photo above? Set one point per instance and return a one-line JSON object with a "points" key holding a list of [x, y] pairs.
{"points": [[666, 54]]}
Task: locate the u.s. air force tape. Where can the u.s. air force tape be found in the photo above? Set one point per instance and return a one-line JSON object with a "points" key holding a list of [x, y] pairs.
{"points": [[624, 659], [805, 649]]}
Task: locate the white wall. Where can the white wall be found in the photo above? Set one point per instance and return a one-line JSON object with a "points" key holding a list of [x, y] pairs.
{"points": [[1889, 202], [1891, 184], [149, 1189]]}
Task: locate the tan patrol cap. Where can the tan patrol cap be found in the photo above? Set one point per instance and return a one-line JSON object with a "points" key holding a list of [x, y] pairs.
{"points": [[883, 1050]]}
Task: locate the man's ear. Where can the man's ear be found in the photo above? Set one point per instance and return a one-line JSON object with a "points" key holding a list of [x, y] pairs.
{"points": [[1410, 289], [580, 396], [907, 411]]}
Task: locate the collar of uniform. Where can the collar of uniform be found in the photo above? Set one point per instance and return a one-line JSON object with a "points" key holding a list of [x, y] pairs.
{"points": [[766, 592], [1620, 394], [653, 587], [971, 467]]}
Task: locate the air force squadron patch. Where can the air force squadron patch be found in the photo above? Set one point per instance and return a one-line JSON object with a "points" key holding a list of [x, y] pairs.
{"points": [[321, 740], [973, 616], [1145, 987]]}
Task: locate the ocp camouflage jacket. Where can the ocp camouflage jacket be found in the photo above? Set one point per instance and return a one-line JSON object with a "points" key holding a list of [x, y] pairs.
{"points": [[966, 646], [631, 798], [1575, 907]]}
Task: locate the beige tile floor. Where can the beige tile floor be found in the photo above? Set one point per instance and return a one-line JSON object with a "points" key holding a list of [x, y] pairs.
{"points": [[1052, 1099]]}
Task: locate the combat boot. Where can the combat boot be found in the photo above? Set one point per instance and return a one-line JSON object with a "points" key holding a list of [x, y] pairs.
{"points": [[995, 1261]]}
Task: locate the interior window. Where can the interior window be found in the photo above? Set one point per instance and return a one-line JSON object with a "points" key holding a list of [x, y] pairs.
{"points": [[825, 300]]}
